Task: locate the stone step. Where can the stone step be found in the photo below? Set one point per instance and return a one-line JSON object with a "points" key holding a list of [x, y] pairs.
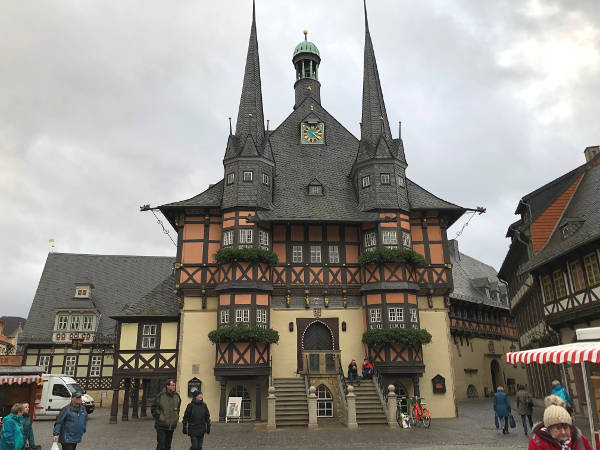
{"points": [[292, 413], [292, 423]]}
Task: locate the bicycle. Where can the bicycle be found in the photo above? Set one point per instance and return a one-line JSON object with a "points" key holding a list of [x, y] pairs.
{"points": [[419, 413]]}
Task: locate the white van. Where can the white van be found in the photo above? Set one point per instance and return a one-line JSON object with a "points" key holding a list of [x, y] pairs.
{"points": [[56, 393]]}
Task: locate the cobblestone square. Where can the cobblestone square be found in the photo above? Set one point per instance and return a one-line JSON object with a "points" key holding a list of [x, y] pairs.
{"points": [[474, 429]]}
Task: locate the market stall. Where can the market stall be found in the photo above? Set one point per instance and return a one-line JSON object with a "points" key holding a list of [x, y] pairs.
{"points": [[18, 385], [583, 352]]}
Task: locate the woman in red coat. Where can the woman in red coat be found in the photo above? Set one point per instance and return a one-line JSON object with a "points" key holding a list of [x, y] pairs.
{"points": [[557, 430]]}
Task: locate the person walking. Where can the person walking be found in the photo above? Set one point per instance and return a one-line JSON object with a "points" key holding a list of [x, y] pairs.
{"points": [[352, 371], [165, 410], [28, 439], [502, 407], [71, 423], [11, 437], [525, 407], [557, 430], [560, 391], [196, 420]]}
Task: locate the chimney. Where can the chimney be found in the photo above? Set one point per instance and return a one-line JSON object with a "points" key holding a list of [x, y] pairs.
{"points": [[591, 152], [453, 249]]}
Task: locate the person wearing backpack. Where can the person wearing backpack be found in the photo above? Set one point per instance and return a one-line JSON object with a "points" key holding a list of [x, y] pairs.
{"points": [[525, 407]]}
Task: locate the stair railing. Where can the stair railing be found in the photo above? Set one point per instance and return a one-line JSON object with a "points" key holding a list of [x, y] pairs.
{"points": [[342, 380], [270, 371], [378, 377]]}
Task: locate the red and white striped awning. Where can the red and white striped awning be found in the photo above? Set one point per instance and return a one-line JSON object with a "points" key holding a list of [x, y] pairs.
{"points": [[575, 353], [20, 379]]}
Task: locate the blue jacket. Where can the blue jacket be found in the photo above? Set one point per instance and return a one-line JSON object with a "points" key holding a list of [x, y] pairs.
{"points": [[27, 431], [501, 404], [70, 424], [11, 437], [562, 393]]}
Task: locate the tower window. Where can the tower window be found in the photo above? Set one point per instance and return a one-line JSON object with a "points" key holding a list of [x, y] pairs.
{"points": [[245, 238], [230, 178], [370, 240], [227, 238], [366, 181], [385, 178], [266, 179], [247, 176], [263, 237], [401, 182], [390, 238]]}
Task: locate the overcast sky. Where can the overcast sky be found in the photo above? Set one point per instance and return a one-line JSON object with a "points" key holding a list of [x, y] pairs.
{"points": [[108, 105]]}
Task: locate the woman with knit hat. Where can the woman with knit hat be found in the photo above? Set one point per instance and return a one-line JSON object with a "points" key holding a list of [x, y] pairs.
{"points": [[557, 430]]}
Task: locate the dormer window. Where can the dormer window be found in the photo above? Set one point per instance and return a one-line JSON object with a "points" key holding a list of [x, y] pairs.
{"points": [[247, 176], [315, 190], [385, 178], [366, 181], [83, 290], [266, 179], [401, 181], [230, 178]]}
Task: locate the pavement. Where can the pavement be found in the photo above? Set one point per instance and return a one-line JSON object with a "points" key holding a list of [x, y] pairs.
{"points": [[473, 429]]}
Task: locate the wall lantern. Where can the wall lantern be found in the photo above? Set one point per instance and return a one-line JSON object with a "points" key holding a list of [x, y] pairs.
{"points": [[291, 326], [439, 384], [344, 326], [194, 385]]}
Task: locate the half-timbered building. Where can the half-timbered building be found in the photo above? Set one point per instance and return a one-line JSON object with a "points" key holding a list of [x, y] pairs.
{"points": [[70, 329], [552, 269], [318, 198], [482, 329]]}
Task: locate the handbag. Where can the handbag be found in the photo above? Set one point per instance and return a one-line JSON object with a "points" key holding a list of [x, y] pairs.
{"points": [[511, 421]]}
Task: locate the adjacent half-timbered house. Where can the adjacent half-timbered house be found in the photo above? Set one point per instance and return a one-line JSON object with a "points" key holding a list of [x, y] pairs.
{"points": [[482, 329], [552, 268], [69, 329]]}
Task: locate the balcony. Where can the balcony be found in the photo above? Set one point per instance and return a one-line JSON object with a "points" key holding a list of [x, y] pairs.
{"points": [[242, 359], [395, 359], [320, 362]]}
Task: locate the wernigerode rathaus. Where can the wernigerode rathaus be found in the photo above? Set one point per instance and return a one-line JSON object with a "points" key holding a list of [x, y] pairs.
{"points": [[314, 243]]}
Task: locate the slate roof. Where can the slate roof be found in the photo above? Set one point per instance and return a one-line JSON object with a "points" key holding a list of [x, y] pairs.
{"points": [[118, 281], [11, 325], [296, 165], [471, 276], [160, 301], [585, 207]]}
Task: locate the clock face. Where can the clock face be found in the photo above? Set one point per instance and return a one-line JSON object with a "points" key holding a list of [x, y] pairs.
{"points": [[312, 133]]}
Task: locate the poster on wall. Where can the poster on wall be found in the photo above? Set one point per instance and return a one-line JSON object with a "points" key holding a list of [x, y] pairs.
{"points": [[234, 409]]}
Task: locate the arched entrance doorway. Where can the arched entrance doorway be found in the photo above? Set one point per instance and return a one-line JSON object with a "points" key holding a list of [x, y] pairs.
{"points": [[317, 337], [495, 369]]}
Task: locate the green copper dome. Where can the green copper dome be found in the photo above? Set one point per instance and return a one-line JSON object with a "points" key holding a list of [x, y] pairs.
{"points": [[306, 47]]}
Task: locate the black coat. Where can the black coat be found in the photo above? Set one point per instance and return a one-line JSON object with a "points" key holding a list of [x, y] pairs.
{"points": [[196, 419]]}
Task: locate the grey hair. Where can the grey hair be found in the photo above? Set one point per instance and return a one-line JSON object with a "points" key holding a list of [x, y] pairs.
{"points": [[17, 408]]}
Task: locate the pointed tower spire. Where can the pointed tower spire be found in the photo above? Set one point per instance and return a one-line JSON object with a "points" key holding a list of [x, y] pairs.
{"points": [[374, 116], [250, 119]]}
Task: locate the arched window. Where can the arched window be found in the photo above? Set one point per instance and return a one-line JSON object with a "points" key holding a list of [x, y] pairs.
{"points": [[324, 402], [241, 391], [472, 391], [402, 394]]}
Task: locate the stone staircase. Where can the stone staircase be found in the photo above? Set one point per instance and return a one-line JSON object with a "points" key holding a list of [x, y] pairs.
{"points": [[369, 410], [291, 407]]}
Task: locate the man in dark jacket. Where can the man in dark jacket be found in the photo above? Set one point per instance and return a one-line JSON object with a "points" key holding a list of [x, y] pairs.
{"points": [[352, 371], [165, 410], [71, 423], [196, 420]]}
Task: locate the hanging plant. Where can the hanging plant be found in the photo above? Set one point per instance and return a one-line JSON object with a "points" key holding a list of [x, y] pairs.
{"points": [[380, 336], [392, 255], [254, 255], [244, 333]]}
